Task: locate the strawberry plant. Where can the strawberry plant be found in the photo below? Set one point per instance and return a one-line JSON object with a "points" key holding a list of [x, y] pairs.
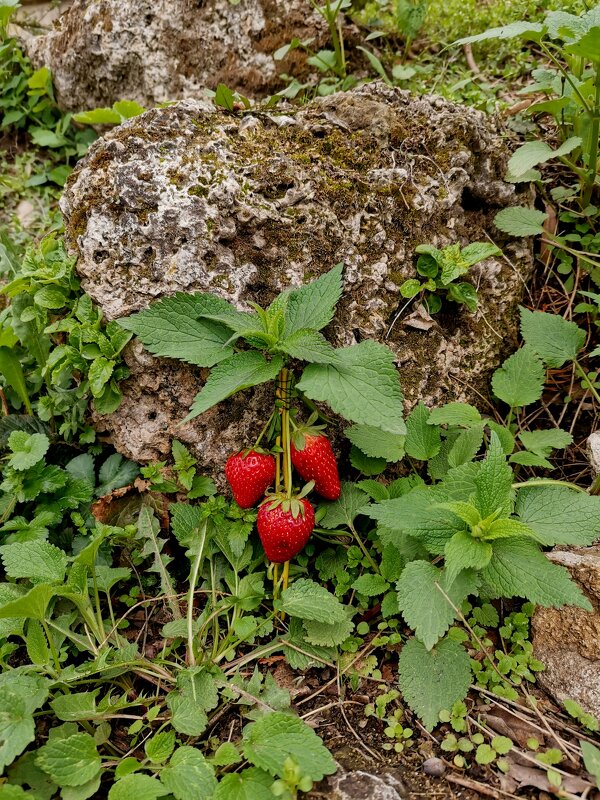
{"points": [[247, 348]]}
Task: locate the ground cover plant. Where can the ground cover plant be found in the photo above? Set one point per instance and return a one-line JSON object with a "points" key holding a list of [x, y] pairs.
{"points": [[162, 638]]}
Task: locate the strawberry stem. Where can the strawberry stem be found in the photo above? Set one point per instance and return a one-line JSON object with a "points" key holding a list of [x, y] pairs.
{"points": [[284, 582]]}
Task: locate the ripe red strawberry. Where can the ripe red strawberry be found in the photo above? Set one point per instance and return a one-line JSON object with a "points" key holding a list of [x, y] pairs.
{"points": [[313, 459], [284, 526], [250, 474]]}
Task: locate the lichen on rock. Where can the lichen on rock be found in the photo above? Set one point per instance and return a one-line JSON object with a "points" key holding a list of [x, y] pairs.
{"points": [[193, 199], [153, 51]]}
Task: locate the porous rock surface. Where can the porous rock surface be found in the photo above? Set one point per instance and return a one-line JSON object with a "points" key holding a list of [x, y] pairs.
{"points": [[567, 640], [186, 198], [153, 51]]}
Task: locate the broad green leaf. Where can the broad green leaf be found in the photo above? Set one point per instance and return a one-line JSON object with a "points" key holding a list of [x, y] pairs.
{"points": [[115, 473], [39, 561], [423, 441], [238, 372], [528, 459], [8, 626], [196, 694], [36, 643], [17, 728], [423, 605], [99, 374], [137, 787], [527, 30], [250, 784], [366, 465], [11, 370], [33, 604], [466, 446], [455, 414], [308, 345], [313, 305], [560, 515], [591, 759], [520, 221], [300, 654], [370, 584], [128, 108], [343, 512], [275, 737], [172, 327], [75, 707], [543, 442], [433, 680], [493, 482], [537, 152], [308, 600], [98, 116], [507, 528], [464, 552], [71, 761], [588, 46], [377, 443], [328, 634], [519, 569], [363, 388], [160, 746], [188, 776], [478, 251], [520, 380], [554, 339], [27, 449]]}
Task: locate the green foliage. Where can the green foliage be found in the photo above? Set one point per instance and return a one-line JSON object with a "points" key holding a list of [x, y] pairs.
{"points": [[442, 268]]}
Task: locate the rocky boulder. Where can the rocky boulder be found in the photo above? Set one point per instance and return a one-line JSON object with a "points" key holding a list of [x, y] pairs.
{"points": [[189, 198], [153, 51], [567, 640]]}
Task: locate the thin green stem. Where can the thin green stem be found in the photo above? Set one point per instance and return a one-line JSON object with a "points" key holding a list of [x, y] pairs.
{"points": [[52, 645], [548, 482], [583, 374], [566, 76], [366, 553], [192, 589], [593, 151]]}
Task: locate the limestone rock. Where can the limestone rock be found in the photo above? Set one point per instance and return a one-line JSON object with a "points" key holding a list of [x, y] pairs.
{"points": [[361, 785], [567, 640], [186, 198], [154, 51]]}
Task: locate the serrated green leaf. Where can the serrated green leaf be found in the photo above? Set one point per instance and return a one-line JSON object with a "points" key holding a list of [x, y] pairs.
{"points": [[560, 515], [36, 643], [465, 447], [308, 600], [364, 387], [520, 221], [189, 776], [172, 328], [32, 604], [370, 584], [27, 449], [17, 728], [313, 305], [423, 605], [299, 653], [344, 510], [423, 441], [38, 561], [377, 443], [520, 380], [328, 634], [543, 442], [140, 787], [530, 460], [365, 464], [250, 784], [99, 374], [536, 152], [514, 30], [431, 681], [238, 372], [493, 482], [519, 569], [75, 707], [275, 737], [464, 552], [554, 339], [375, 489], [72, 761], [309, 345], [455, 414], [115, 473], [160, 746]]}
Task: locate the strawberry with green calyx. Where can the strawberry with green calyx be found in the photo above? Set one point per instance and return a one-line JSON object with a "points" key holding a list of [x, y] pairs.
{"points": [[313, 459], [285, 525], [250, 473]]}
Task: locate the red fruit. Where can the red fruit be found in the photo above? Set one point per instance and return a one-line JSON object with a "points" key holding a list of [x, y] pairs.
{"points": [[284, 526], [313, 459], [250, 474]]}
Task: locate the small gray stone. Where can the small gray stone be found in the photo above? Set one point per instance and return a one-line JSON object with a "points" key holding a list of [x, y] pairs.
{"points": [[359, 785], [593, 451], [434, 767]]}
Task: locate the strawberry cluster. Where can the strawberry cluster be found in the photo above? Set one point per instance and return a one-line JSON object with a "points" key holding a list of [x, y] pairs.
{"points": [[285, 523]]}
